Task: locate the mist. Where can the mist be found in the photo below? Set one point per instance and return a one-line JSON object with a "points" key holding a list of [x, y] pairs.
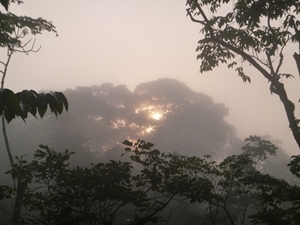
{"points": [[134, 42], [146, 137]]}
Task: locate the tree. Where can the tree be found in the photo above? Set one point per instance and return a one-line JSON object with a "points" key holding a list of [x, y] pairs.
{"points": [[139, 190], [164, 111], [250, 32], [13, 31], [105, 192]]}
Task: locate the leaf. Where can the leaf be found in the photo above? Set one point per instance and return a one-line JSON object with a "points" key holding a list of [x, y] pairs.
{"points": [[1, 102], [52, 103], [128, 143], [11, 102], [24, 108], [42, 104], [25, 98], [61, 99], [242, 74], [155, 151], [43, 146], [9, 105], [230, 65], [5, 4], [287, 75]]}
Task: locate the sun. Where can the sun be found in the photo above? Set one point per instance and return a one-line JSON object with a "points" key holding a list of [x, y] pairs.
{"points": [[156, 116]]}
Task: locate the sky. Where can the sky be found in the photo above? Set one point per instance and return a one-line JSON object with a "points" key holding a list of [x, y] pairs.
{"points": [[134, 41]]}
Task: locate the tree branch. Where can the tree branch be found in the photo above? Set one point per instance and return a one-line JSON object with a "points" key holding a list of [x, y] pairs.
{"points": [[193, 19], [277, 86], [3, 117], [270, 64], [280, 62]]}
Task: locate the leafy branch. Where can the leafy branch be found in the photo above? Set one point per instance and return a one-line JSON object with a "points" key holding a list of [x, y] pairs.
{"points": [[13, 29], [224, 40]]}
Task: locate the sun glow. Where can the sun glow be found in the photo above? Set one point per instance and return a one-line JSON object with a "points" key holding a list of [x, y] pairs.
{"points": [[149, 129], [156, 116]]}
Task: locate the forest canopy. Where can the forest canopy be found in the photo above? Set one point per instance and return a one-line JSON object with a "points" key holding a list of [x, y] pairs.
{"points": [[165, 112]]}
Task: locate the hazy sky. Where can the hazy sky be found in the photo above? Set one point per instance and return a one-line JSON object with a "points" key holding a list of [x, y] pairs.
{"points": [[134, 41]]}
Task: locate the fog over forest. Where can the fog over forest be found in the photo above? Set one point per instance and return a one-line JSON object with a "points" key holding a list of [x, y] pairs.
{"points": [[165, 112], [142, 112], [133, 42]]}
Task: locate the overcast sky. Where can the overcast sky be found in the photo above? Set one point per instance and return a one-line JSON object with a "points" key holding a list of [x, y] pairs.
{"points": [[134, 41]]}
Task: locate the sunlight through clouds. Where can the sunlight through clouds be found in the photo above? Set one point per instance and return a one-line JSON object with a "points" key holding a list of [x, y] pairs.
{"points": [[156, 116]]}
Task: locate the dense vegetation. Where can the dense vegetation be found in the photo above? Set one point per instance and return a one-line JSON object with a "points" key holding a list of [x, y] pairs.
{"points": [[153, 186]]}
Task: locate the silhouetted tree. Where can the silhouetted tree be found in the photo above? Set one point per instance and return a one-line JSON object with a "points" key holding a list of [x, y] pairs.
{"points": [[27, 102], [250, 32], [164, 111]]}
